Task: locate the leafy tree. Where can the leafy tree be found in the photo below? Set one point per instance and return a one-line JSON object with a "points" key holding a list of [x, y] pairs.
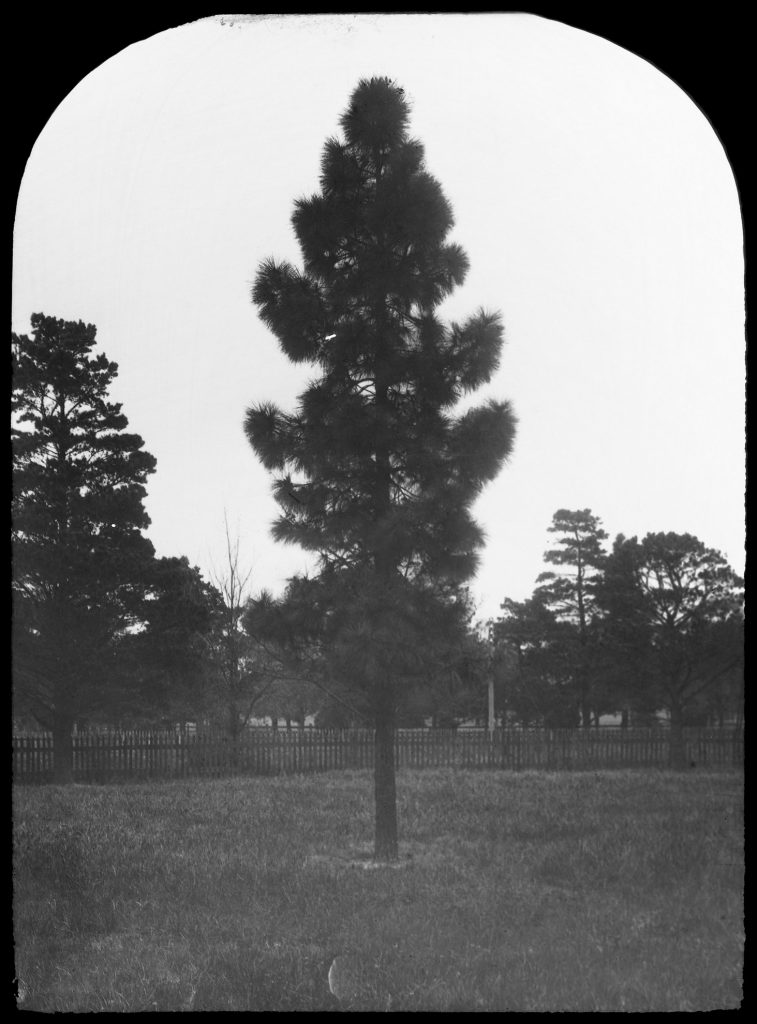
{"points": [[570, 594], [375, 474], [624, 640], [80, 557], [166, 662], [294, 633], [685, 603], [453, 687], [536, 652], [292, 696], [317, 649]]}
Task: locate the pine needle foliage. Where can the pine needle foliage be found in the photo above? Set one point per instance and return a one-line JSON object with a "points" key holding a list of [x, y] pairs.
{"points": [[374, 471]]}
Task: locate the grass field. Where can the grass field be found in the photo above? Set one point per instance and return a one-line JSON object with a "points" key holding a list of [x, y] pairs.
{"points": [[531, 891]]}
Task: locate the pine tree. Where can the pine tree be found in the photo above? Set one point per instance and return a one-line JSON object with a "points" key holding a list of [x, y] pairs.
{"points": [[570, 592], [79, 552], [375, 474]]}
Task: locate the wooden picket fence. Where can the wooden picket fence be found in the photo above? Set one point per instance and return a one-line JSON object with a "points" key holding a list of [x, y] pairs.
{"points": [[121, 756]]}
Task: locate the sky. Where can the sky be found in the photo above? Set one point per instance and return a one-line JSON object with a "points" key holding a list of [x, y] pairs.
{"points": [[593, 198]]}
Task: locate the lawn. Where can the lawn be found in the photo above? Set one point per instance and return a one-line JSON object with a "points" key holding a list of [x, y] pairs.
{"points": [[523, 891]]}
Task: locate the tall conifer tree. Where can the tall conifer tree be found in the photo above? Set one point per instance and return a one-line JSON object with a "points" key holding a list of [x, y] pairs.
{"points": [[80, 557], [374, 472], [570, 593]]}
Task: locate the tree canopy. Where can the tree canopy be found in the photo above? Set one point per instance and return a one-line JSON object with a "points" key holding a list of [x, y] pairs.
{"points": [[79, 552], [681, 605], [655, 625], [165, 663]]}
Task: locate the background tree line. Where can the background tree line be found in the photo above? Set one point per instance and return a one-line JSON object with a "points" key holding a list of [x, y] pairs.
{"points": [[105, 632], [651, 625]]}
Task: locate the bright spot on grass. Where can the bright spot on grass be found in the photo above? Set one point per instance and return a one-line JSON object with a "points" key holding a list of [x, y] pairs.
{"points": [[357, 977], [344, 977]]}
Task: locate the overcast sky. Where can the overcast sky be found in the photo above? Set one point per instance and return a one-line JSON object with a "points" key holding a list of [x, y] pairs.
{"points": [[595, 203]]}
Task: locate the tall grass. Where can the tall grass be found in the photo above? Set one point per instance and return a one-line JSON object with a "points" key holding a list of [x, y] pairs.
{"points": [[605, 891]]}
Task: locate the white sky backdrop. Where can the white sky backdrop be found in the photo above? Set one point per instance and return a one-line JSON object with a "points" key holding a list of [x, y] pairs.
{"points": [[593, 198]]}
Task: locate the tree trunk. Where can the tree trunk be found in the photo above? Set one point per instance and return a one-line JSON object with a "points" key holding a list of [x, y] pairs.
{"points": [[63, 749], [384, 786], [677, 745]]}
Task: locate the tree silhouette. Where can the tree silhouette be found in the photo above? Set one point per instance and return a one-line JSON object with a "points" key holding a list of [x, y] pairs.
{"points": [[570, 594], [682, 605], [80, 558], [539, 654], [166, 664], [374, 473]]}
